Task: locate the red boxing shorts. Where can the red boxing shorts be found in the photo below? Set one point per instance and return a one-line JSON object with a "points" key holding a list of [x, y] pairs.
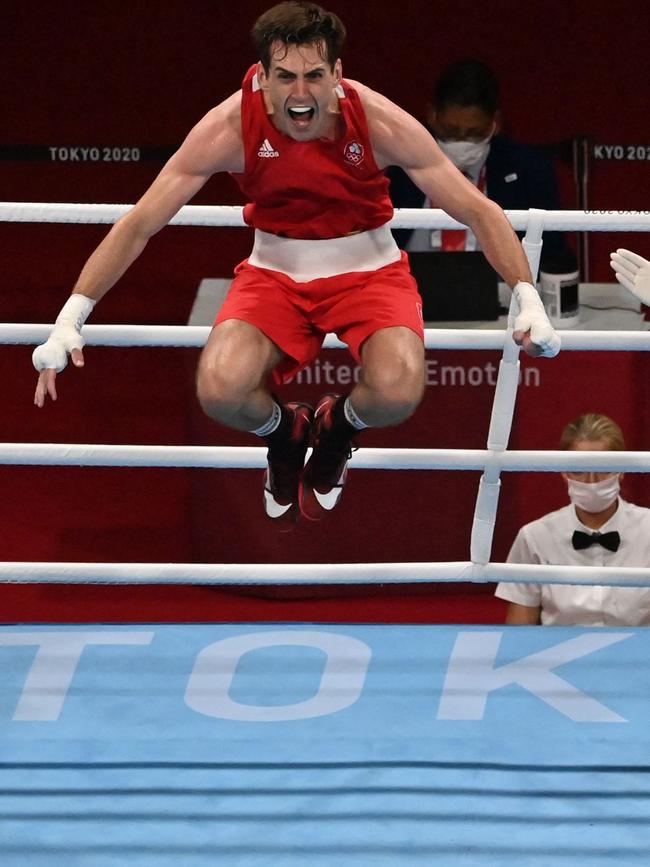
{"points": [[297, 316]]}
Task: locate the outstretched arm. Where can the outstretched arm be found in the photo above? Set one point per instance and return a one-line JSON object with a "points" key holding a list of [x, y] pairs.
{"points": [[398, 139], [213, 145]]}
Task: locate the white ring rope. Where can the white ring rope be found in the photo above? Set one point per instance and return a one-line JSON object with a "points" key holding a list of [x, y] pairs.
{"points": [[404, 218], [253, 457], [503, 408], [492, 461], [316, 573], [190, 336]]}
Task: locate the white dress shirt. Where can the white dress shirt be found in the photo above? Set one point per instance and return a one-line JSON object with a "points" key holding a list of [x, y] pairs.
{"points": [[547, 541]]}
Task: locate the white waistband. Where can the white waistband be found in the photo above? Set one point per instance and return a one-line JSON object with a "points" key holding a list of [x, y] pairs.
{"points": [[310, 260]]}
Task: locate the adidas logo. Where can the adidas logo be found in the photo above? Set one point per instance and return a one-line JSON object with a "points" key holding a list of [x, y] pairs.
{"points": [[267, 150]]}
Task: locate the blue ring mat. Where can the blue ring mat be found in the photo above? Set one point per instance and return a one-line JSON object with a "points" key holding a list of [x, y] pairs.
{"points": [[302, 744]]}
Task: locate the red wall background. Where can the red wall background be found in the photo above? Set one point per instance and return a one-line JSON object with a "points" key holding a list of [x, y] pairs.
{"points": [[141, 74]]}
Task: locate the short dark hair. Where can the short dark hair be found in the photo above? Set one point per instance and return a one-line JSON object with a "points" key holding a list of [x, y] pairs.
{"points": [[467, 82], [298, 23]]}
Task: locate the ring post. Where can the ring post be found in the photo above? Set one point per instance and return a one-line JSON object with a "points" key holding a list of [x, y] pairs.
{"points": [[503, 408]]}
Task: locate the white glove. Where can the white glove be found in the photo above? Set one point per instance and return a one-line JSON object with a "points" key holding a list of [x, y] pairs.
{"points": [[66, 334], [532, 317], [633, 272]]}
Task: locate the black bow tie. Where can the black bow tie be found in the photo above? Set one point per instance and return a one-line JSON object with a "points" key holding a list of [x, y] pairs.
{"points": [[581, 540]]}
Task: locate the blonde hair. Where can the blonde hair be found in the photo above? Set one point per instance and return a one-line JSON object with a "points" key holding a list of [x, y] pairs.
{"points": [[593, 426]]}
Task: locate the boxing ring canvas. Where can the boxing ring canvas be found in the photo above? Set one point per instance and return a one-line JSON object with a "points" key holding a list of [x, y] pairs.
{"points": [[251, 744]]}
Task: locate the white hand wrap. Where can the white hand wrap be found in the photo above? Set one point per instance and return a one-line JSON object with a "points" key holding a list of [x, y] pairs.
{"points": [[66, 334], [532, 317], [633, 272]]}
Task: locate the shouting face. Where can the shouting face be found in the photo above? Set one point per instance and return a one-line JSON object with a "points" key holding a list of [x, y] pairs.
{"points": [[299, 91]]}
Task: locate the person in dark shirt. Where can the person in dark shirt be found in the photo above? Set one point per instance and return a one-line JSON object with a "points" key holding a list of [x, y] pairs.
{"points": [[465, 119]]}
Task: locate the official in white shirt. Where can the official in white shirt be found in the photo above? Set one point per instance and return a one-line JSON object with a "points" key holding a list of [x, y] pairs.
{"points": [[599, 528]]}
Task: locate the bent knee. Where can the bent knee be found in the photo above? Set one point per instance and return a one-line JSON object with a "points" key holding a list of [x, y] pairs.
{"points": [[223, 388], [218, 393], [235, 361], [398, 387], [400, 377]]}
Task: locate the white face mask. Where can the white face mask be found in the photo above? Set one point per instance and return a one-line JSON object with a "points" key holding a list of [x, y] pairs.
{"points": [[466, 155], [594, 496]]}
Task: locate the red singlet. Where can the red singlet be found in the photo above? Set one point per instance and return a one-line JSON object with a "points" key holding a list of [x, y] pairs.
{"points": [[316, 191], [313, 189]]}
